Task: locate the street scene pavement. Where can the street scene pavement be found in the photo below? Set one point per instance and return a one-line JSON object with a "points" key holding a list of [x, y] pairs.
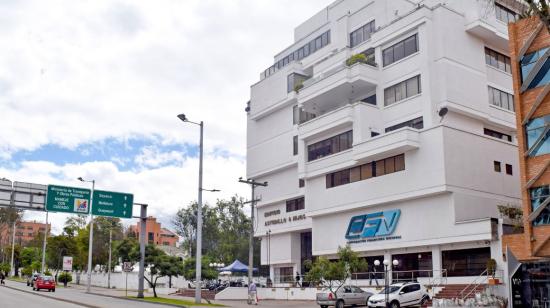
{"points": [[17, 294]]}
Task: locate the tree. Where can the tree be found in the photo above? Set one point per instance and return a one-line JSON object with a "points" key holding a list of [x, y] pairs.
{"points": [[74, 224], [16, 256], [127, 250], [160, 265], [335, 274], [5, 268], [58, 247], [541, 9], [226, 230], [207, 273], [29, 255]]}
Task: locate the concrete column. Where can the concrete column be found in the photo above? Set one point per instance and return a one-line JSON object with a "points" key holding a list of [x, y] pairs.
{"points": [[437, 263], [387, 256]]}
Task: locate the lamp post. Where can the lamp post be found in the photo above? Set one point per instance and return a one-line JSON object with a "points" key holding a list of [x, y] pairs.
{"points": [[91, 240], [386, 278], [198, 257]]}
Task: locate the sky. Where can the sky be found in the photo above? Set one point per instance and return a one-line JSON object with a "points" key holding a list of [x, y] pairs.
{"points": [[92, 88]]}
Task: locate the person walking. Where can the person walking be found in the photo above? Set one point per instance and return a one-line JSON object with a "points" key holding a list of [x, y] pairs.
{"points": [[2, 277], [298, 278], [252, 294]]}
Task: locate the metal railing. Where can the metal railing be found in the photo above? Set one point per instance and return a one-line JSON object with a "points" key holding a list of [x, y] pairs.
{"points": [[483, 278]]}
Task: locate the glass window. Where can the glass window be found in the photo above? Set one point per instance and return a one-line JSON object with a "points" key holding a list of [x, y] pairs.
{"points": [[400, 50], [509, 169], [420, 262], [330, 146], [501, 99], [504, 14], [402, 90], [538, 196], [497, 60], [295, 145], [390, 165], [295, 204], [400, 162], [534, 129], [527, 64], [495, 134], [380, 169], [466, 262], [417, 123], [496, 166], [361, 34], [366, 171], [355, 174]]}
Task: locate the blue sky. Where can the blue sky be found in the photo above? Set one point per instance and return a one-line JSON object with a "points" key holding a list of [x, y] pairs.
{"points": [[92, 89]]}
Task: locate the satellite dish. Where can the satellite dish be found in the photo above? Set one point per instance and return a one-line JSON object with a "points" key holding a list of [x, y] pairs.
{"points": [[443, 111]]}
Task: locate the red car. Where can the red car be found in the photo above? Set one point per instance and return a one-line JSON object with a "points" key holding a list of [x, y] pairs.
{"points": [[44, 282]]}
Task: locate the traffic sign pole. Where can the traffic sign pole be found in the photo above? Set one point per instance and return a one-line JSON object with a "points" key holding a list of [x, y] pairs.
{"points": [[44, 246], [91, 243]]}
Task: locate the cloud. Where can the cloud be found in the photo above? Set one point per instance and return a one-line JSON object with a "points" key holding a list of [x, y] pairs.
{"points": [[106, 79]]}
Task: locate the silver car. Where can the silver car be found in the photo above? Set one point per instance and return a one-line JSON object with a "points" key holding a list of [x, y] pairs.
{"points": [[345, 296]]}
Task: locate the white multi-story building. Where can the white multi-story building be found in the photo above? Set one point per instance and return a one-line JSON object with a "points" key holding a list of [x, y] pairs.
{"points": [[404, 155]]}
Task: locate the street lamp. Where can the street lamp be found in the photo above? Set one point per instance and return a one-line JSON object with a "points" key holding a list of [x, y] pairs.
{"points": [[91, 241], [386, 278], [198, 260]]}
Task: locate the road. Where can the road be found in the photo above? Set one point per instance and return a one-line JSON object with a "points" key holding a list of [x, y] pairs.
{"points": [[31, 299], [17, 299], [270, 303]]}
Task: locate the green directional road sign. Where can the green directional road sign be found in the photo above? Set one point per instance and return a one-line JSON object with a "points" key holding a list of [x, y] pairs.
{"points": [[113, 204], [68, 199]]}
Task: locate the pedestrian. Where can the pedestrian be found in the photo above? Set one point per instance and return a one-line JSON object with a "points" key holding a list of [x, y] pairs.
{"points": [[298, 279], [252, 294], [2, 277]]}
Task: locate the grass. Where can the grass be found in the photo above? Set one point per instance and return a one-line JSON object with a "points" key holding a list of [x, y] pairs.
{"points": [[172, 301], [16, 279]]}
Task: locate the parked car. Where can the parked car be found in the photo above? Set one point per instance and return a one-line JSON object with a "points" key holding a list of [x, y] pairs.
{"points": [[44, 282], [31, 279], [345, 296], [401, 294]]}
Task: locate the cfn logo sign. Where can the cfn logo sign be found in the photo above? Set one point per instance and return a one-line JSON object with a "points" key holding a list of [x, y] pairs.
{"points": [[373, 225]]}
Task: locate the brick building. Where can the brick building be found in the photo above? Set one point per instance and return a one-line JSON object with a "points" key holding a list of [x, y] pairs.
{"points": [[155, 233], [528, 262], [25, 231]]}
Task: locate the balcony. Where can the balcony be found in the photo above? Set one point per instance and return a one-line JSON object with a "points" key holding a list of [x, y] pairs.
{"points": [[339, 84], [388, 144], [339, 117], [486, 26]]}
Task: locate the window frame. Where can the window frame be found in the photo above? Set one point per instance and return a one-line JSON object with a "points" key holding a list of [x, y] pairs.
{"points": [[392, 59]]}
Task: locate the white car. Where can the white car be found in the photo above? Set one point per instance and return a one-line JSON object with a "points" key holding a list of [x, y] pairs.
{"points": [[401, 294]]}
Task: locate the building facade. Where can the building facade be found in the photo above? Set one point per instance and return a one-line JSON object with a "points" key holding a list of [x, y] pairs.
{"points": [[529, 50], [25, 231], [156, 235], [388, 126]]}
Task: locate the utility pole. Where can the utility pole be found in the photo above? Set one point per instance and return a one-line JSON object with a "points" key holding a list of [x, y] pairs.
{"points": [[44, 246], [253, 184], [12, 268], [143, 222], [91, 240], [109, 266]]}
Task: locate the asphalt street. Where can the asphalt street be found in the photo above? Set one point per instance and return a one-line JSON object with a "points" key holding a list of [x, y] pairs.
{"points": [[44, 299], [25, 297], [16, 299]]}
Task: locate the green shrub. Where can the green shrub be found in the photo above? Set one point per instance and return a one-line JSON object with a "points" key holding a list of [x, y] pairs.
{"points": [[5, 268], [65, 277], [47, 273], [358, 58], [298, 87], [26, 271]]}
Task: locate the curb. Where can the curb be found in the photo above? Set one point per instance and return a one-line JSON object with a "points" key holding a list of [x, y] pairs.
{"points": [[138, 300], [53, 298]]}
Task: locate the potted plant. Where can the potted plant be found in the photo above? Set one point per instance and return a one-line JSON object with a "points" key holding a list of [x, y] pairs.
{"points": [[358, 58], [491, 271], [298, 86]]}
